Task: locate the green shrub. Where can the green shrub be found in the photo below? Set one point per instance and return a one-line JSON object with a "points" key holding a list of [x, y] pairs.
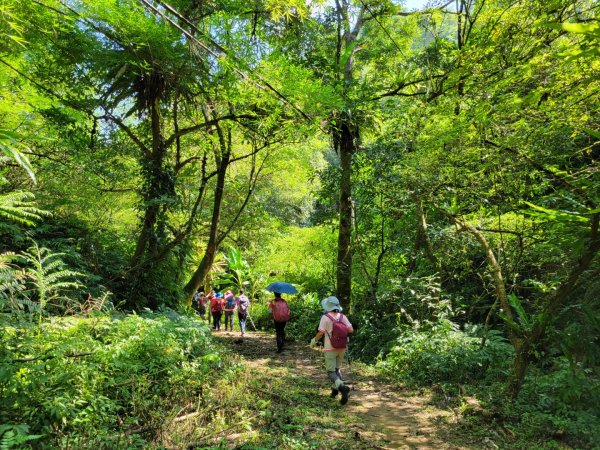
{"points": [[408, 301], [306, 314], [444, 353], [104, 381], [376, 332], [561, 404]]}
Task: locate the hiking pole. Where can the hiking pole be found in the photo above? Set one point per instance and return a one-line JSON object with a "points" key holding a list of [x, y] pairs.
{"points": [[251, 321], [349, 360]]}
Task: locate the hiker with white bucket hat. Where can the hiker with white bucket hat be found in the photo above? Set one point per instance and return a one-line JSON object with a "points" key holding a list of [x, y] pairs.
{"points": [[335, 327]]}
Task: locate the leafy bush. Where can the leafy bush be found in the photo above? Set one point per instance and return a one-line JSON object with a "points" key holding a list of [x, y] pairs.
{"points": [[106, 381], [377, 330], [444, 353], [411, 301], [561, 405], [306, 314]]}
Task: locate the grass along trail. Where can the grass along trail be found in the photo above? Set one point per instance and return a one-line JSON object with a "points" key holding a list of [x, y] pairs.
{"points": [[300, 414]]}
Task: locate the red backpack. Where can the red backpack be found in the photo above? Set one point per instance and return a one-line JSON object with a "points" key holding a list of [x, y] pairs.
{"points": [[339, 334], [281, 311], [216, 305]]}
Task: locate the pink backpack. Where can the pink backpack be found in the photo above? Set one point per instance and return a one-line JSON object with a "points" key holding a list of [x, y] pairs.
{"points": [[281, 311], [339, 334]]}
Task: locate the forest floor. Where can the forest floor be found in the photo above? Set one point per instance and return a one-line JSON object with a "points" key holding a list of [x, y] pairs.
{"points": [[378, 415]]}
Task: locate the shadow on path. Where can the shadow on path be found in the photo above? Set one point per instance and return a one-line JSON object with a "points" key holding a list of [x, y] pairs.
{"points": [[404, 420]]}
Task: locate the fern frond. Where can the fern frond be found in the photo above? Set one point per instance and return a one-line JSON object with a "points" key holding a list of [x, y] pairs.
{"points": [[6, 260], [48, 273], [53, 264], [53, 279], [32, 306], [63, 286], [12, 283], [46, 255], [19, 206]]}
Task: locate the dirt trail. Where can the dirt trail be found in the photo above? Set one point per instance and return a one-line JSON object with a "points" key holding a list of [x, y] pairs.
{"points": [[401, 419]]}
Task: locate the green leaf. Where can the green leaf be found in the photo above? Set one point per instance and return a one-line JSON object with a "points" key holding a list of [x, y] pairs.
{"points": [[560, 215], [9, 144], [580, 27], [592, 133], [524, 318], [346, 55]]}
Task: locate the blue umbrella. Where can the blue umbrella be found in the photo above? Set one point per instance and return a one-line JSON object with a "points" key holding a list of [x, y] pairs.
{"points": [[282, 288]]}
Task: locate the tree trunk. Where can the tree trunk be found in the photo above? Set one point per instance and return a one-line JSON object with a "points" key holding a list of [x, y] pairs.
{"points": [[155, 188], [345, 137], [550, 310], [422, 227], [346, 148], [198, 277], [382, 252], [496, 269], [518, 370]]}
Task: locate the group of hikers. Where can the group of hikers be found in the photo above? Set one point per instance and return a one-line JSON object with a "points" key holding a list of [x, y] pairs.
{"points": [[334, 327], [219, 305]]}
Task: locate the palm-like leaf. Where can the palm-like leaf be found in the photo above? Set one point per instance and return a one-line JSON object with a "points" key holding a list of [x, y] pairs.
{"points": [[12, 147]]}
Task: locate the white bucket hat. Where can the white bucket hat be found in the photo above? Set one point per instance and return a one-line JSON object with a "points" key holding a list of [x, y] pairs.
{"points": [[331, 303]]}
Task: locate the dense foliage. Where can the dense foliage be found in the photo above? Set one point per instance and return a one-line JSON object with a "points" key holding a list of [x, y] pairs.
{"points": [[103, 381], [436, 169]]}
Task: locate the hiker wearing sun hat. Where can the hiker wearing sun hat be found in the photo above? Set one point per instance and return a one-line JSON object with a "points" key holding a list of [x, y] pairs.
{"points": [[335, 327]]}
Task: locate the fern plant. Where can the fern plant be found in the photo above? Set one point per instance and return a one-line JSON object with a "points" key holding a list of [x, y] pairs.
{"points": [[48, 274], [12, 284], [19, 207]]}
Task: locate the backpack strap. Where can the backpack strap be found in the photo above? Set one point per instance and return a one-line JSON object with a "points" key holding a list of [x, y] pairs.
{"points": [[333, 320], [339, 319]]}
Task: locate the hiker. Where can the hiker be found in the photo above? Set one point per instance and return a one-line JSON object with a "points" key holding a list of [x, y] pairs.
{"points": [[335, 327], [242, 308], [229, 309], [216, 309], [195, 298], [281, 315], [199, 302]]}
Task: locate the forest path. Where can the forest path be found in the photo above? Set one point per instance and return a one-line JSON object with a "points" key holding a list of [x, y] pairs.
{"points": [[380, 415]]}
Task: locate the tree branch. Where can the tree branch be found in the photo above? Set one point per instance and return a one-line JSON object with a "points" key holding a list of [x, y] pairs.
{"points": [[207, 124], [129, 132], [559, 180], [251, 187], [47, 357], [401, 86]]}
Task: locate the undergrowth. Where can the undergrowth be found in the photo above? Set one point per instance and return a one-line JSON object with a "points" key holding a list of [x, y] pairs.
{"points": [[557, 406], [274, 409], [104, 381]]}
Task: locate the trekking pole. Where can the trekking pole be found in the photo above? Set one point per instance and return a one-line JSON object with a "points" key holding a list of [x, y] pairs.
{"points": [[349, 360], [251, 321]]}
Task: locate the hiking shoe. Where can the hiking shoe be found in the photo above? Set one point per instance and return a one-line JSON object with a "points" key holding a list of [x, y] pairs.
{"points": [[334, 393], [345, 390]]}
